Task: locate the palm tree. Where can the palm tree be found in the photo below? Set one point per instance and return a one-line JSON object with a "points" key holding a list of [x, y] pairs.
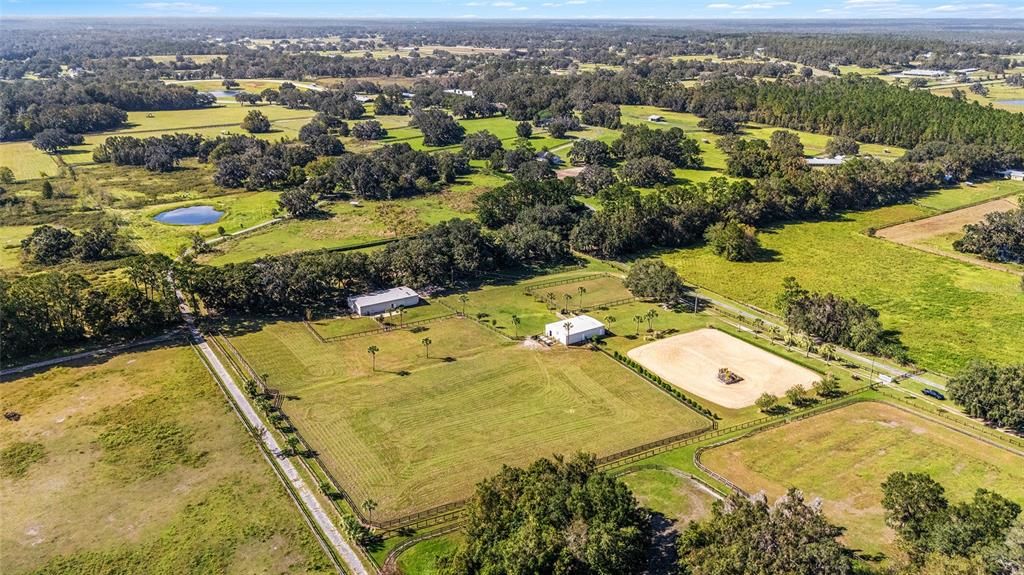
{"points": [[372, 350], [401, 315], [609, 320], [582, 291], [463, 298], [368, 506], [638, 319], [515, 324], [426, 345], [828, 352], [551, 300], [568, 298], [651, 314], [568, 326]]}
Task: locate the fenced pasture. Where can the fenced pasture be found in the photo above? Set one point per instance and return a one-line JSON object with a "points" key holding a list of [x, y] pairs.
{"points": [[844, 455], [527, 299], [415, 432], [692, 361]]}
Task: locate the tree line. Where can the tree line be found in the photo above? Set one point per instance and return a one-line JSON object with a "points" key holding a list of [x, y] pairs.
{"points": [[28, 107]]}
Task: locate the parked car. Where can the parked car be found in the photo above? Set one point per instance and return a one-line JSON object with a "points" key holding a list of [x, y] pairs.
{"points": [[933, 394]]}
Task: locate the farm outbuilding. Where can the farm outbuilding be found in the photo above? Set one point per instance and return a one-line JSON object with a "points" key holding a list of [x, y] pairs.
{"points": [[574, 330], [383, 301], [1017, 175]]}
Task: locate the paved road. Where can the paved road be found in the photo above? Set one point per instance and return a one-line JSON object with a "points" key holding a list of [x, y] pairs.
{"points": [[320, 515]]}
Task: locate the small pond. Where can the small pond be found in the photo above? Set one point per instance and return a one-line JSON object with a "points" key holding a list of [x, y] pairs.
{"points": [[1011, 102], [190, 216]]}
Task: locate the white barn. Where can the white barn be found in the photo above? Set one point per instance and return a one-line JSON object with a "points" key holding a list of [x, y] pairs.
{"points": [[383, 301], [580, 329]]}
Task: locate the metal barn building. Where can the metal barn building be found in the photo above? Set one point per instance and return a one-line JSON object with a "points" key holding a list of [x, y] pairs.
{"points": [[383, 301], [580, 329]]}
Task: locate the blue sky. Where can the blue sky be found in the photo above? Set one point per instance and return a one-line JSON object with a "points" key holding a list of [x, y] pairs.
{"points": [[519, 9]]}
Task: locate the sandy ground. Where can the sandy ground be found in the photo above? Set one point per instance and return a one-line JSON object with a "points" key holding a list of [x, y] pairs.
{"points": [[567, 172], [917, 233], [691, 362], [913, 232]]}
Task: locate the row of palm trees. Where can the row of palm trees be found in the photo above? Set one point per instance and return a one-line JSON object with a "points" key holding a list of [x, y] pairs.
{"points": [[551, 300], [374, 350], [649, 317]]}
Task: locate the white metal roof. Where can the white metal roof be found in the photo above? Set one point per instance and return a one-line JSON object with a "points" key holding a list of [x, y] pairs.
{"points": [[385, 296], [580, 324]]}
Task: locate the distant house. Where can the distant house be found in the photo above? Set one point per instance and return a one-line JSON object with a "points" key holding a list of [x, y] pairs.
{"points": [[1016, 175], [574, 330], [383, 301], [549, 157], [821, 162], [966, 70], [458, 92], [924, 73], [364, 98], [655, 118]]}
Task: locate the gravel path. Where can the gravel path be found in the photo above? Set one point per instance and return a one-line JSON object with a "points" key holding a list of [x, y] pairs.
{"points": [[320, 515]]}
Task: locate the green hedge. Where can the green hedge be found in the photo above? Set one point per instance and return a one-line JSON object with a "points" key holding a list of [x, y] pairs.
{"points": [[668, 387]]}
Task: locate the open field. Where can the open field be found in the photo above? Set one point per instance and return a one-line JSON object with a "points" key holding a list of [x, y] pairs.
{"points": [[843, 456], [417, 431], [936, 234], [136, 464], [26, 162], [664, 491], [999, 95], [691, 362], [924, 296]]}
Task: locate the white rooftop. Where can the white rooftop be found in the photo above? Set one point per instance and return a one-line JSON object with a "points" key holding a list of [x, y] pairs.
{"points": [[383, 296], [580, 324], [826, 161]]}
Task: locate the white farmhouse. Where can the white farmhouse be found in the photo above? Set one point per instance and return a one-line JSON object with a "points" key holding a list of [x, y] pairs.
{"points": [[1017, 175], [383, 301], [574, 330]]}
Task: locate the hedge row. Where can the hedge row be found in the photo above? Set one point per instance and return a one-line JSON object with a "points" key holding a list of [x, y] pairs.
{"points": [[657, 380]]}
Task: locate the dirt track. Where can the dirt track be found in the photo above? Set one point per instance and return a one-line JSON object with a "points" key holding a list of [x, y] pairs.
{"points": [[918, 232], [691, 362]]}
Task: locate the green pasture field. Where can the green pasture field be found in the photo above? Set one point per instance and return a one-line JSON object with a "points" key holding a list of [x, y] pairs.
{"points": [[133, 464], [26, 162], [998, 92], [345, 225], [421, 431], [952, 198], [948, 312], [10, 246], [843, 456], [678, 498]]}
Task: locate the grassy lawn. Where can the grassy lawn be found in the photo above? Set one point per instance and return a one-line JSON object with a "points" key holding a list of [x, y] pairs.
{"points": [[342, 326], [421, 559], [597, 291], [1000, 95], [677, 498], [927, 297], [136, 464], [846, 468], [417, 431]]}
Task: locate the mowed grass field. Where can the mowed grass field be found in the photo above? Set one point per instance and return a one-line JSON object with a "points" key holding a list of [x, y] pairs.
{"points": [[843, 456], [135, 464], [422, 431], [670, 493], [948, 312]]}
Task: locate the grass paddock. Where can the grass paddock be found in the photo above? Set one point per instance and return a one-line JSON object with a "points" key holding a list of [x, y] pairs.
{"points": [[843, 457], [416, 431]]}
